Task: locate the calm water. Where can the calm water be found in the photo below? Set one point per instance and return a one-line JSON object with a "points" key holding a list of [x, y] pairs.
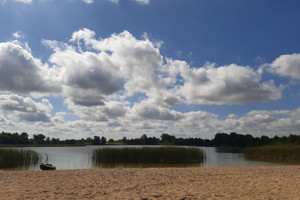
{"points": [[80, 158]]}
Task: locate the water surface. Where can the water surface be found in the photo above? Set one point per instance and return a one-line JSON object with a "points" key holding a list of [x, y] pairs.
{"points": [[79, 157]]}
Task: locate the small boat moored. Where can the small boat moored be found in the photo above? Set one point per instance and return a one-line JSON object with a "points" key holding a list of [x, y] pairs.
{"points": [[47, 167]]}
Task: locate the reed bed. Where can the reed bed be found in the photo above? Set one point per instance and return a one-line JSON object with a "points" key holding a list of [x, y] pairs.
{"points": [[148, 155], [289, 154], [11, 158]]}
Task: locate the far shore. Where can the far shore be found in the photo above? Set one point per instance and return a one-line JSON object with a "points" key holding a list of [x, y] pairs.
{"points": [[41, 145], [280, 182]]}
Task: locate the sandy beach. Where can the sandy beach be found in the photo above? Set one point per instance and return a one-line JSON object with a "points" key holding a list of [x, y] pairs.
{"points": [[154, 183]]}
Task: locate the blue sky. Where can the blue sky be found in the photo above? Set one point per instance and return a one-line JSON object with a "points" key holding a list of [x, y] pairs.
{"points": [[192, 68]]}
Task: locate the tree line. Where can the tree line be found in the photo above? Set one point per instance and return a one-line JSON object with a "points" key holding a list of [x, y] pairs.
{"points": [[220, 140], [23, 139]]}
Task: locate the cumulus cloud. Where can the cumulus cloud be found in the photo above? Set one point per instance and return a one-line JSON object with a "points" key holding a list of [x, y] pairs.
{"points": [[24, 1], [25, 109], [154, 112], [110, 110], [120, 84], [139, 61], [271, 122], [145, 2], [94, 69], [230, 84], [114, 1], [20, 72], [21, 1], [88, 78], [18, 35], [287, 65], [88, 1]]}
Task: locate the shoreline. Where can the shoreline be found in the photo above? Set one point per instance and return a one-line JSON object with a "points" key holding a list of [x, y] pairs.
{"points": [[272, 182]]}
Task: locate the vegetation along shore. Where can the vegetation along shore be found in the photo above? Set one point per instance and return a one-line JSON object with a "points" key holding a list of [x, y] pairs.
{"points": [[284, 149], [10, 158]]}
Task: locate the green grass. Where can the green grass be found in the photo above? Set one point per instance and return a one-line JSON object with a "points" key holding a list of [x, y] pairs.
{"points": [[11, 158], [148, 155], [289, 154]]}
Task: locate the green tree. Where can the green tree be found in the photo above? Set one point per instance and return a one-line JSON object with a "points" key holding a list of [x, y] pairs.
{"points": [[40, 138], [89, 140], [54, 140], [167, 139], [143, 139], [24, 138], [103, 141], [97, 140]]}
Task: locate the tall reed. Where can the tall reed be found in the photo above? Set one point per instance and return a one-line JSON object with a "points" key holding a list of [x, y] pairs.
{"points": [[10, 158], [277, 153], [166, 155]]}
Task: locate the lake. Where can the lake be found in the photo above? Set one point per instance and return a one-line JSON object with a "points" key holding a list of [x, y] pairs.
{"points": [[79, 157]]}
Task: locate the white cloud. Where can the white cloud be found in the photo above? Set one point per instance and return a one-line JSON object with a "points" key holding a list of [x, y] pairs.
{"points": [[273, 122], [18, 35], [88, 78], [108, 62], [88, 1], [120, 84], [85, 35], [24, 1], [139, 60], [24, 108], [230, 84], [154, 112], [110, 110], [146, 2], [287, 65], [20, 72], [93, 70], [115, 1], [197, 123]]}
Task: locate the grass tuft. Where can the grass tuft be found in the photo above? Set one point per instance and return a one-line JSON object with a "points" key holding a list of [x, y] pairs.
{"points": [[10, 158], [289, 154], [148, 155]]}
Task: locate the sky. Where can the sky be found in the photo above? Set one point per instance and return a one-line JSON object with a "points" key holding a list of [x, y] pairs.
{"points": [[73, 69]]}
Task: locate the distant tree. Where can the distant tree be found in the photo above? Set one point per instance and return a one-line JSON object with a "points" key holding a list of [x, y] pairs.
{"points": [[124, 140], [40, 138], [71, 141], [167, 139], [55, 141], [82, 141], [5, 138], [96, 140], [15, 138], [111, 140], [103, 141], [143, 139], [48, 141], [89, 140], [24, 138], [264, 140], [151, 141], [293, 139]]}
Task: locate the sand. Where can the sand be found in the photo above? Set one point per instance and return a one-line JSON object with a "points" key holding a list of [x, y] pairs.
{"points": [[154, 183]]}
